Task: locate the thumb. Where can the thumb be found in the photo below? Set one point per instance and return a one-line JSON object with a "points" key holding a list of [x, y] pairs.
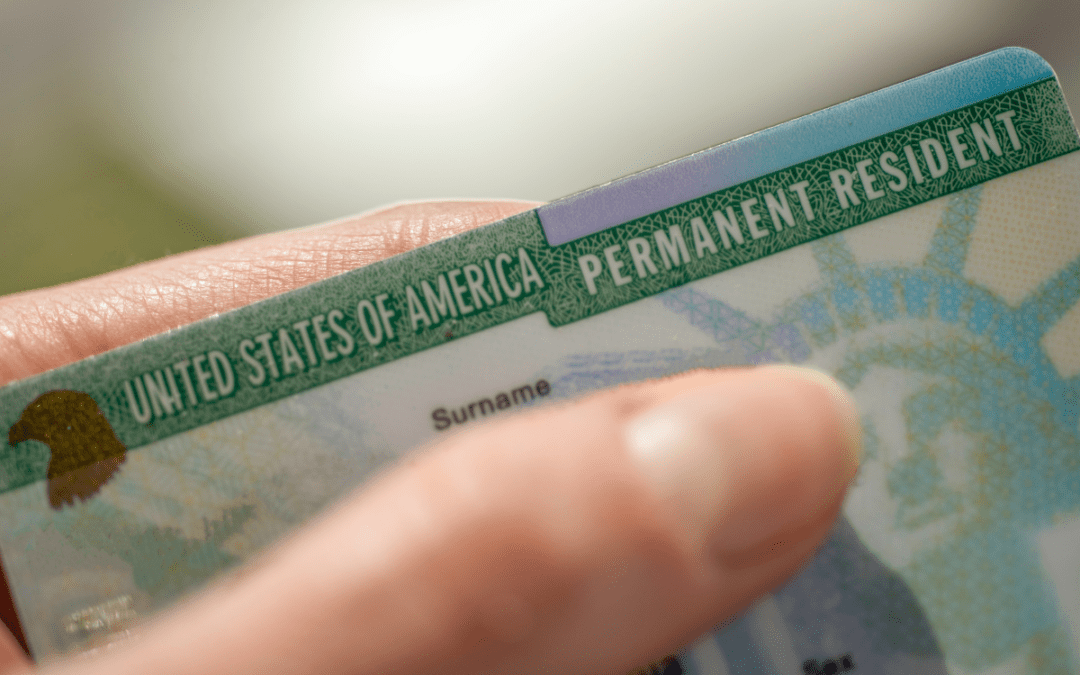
{"points": [[589, 537]]}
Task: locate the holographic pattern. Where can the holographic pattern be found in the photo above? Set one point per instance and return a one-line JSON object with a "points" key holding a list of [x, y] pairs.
{"points": [[982, 376], [987, 456]]}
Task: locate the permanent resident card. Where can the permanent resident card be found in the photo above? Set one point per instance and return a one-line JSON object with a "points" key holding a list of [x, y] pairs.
{"points": [[921, 244]]}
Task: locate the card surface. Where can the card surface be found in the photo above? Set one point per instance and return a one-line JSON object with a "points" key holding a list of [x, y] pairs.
{"points": [[922, 244]]}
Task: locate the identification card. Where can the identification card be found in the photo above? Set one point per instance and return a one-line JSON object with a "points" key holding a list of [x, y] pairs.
{"points": [[921, 244]]}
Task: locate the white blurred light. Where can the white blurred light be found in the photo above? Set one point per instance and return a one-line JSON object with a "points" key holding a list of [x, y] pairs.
{"points": [[279, 114]]}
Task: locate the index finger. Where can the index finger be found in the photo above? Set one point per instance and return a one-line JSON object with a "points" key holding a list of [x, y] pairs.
{"points": [[48, 328], [51, 327]]}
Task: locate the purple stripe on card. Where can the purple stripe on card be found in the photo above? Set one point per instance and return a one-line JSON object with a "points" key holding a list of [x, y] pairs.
{"points": [[790, 143]]}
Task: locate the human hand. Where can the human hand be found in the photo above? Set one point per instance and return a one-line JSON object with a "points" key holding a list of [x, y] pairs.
{"points": [[585, 537]]}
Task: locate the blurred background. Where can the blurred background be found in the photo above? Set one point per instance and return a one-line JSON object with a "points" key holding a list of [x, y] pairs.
{"points": [[131, 130]]}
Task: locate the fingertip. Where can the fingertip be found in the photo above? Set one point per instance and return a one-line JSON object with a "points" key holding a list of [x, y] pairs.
{"points": [[48, 328], [413, 223], [746, 456], [844, 409]]}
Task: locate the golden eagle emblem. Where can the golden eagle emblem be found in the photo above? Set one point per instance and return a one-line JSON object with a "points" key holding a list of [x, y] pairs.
{"points": [[84, 450]]}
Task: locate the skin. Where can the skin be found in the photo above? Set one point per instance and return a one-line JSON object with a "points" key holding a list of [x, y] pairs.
{"points": [[541, 543]]}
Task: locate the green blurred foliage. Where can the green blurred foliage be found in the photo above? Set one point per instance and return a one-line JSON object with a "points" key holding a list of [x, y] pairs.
{"points": [[102, 218]]}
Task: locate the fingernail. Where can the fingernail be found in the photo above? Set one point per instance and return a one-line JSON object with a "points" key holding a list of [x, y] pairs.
{"points": [[749, 455]]}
